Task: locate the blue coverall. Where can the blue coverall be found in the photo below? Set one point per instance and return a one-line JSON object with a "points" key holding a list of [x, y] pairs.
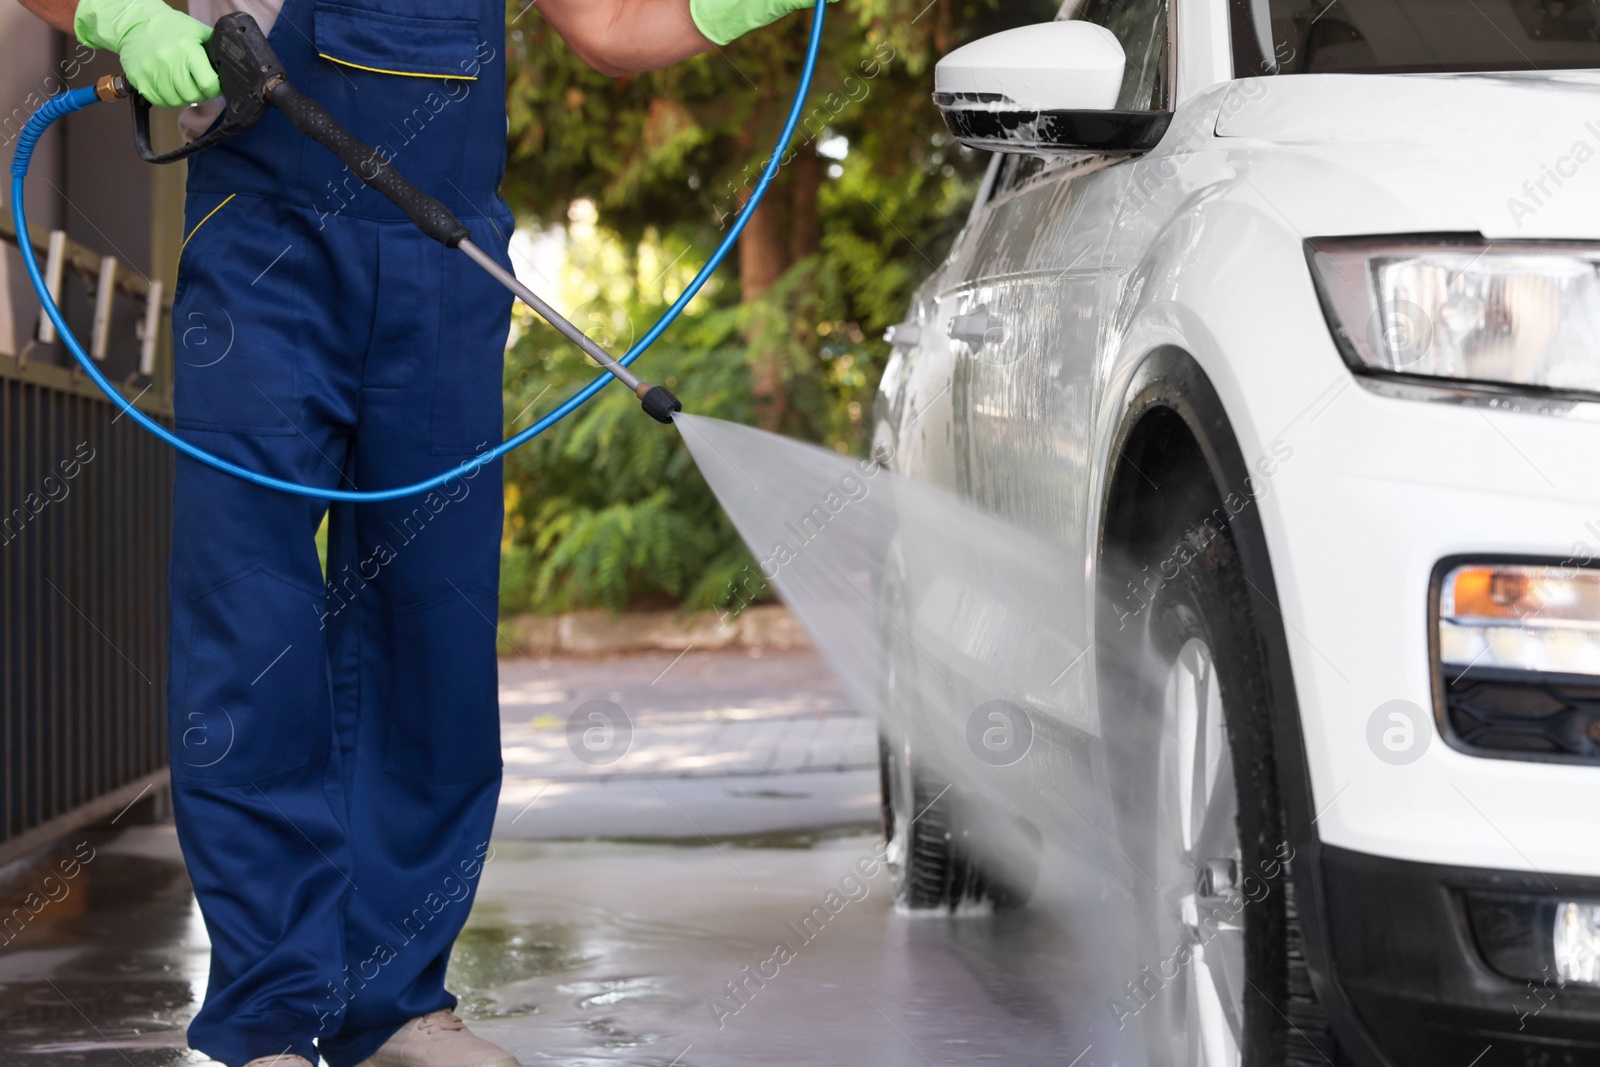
{"points": [[335, 743]]}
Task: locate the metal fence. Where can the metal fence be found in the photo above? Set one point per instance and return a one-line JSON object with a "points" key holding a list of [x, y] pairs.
{"points": [[85, 529]]}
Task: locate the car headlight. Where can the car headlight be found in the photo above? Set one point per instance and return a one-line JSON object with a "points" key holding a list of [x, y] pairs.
{"points": [[1520, 315]]}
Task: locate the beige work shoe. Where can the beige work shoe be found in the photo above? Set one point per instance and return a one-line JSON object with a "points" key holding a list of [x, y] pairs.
{"points": [[282, 1059], [438, 1039]]}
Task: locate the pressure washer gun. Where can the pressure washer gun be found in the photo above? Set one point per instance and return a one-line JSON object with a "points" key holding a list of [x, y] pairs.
{"points": [[253, 80]]}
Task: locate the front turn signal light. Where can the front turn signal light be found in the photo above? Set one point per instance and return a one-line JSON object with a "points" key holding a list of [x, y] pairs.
{"points": [[1521, 617]]}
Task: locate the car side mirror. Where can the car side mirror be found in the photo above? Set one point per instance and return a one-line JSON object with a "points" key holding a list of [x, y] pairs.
{"points": [[1046, 88]]}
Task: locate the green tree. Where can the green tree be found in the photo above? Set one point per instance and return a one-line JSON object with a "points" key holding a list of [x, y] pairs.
{"points": [[607, 508]]}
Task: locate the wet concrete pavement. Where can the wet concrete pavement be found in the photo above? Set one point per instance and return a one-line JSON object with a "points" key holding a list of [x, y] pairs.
{"points": [[680, 746], [582, 953], [661, 952]]}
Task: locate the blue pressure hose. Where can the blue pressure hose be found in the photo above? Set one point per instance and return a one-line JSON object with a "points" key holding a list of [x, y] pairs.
{"points": [[77, 99]]}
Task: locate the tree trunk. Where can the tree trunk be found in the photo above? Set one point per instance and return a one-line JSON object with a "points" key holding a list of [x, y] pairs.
{"points": [[763, 257], [805, 226], [805, 240], [762, 247]]}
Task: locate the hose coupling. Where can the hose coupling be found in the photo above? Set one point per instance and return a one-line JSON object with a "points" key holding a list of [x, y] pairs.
{"points": [[112, 87]]}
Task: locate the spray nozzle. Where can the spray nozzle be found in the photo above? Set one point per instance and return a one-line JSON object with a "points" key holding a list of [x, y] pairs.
{"points": [[657, 401]]}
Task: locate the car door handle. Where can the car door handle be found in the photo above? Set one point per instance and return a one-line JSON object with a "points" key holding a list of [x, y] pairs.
{"points": [[977, 328], [903, 335]]}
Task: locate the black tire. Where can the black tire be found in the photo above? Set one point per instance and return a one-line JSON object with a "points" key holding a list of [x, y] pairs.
{"points": [[928, 868], [935, 866], [1176, 582]]}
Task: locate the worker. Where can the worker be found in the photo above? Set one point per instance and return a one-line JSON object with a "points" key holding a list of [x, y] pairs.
{"points": [[334, 736]]}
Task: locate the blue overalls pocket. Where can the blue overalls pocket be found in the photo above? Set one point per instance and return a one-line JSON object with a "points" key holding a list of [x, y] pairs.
{"points": [[444, 718], [414, 37], [251, 683], [235, 317]]}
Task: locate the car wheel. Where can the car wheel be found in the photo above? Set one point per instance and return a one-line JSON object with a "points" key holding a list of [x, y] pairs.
{"points": [[932, 821], [928, 868], [1197, 862], [1221, 982]]}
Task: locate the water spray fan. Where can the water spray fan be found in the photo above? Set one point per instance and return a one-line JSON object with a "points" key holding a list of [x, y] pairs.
{"points": [[253, 80]]}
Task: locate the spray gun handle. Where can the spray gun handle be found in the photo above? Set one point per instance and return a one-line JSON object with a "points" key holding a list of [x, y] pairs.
{"points": [[252, 80], [369, 164], [246, 66]]}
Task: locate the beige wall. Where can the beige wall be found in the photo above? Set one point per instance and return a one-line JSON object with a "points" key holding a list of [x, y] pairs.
{"points": [[87, 179], [27, 62]]}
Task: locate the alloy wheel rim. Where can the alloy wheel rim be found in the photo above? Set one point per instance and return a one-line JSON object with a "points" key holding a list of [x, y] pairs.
{"points": [[1199, 868]]}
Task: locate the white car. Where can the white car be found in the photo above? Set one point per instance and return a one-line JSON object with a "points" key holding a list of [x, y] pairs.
{"points": [[1280, 321]]}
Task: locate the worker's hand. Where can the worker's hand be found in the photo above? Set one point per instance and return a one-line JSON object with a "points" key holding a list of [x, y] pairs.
{"points": [[160, 48], [723, 20]]}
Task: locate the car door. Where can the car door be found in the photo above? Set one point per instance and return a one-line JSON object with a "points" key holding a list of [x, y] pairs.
{"points": [[1022, 313], [990, 393]]}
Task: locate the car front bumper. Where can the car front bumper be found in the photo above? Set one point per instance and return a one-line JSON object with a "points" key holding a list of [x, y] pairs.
{"points": [[1407, 942], [1378, 490]]}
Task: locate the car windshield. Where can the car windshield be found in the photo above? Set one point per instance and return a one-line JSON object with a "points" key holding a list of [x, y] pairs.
{"points": [[1406, 36]]}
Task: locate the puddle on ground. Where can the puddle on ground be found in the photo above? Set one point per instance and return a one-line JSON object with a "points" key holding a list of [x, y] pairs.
{"points": [[611, 1037], [491, 957], [786, 839], [101, 959], [767, 794], [609, 991], [602, 953]]}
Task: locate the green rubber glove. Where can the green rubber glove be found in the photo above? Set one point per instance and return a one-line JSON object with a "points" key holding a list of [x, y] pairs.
{"points": [[723, 20], [160, 48]]}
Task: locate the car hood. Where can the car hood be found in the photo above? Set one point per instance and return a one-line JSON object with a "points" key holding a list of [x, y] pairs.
{"points": [[1510, 155]]}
